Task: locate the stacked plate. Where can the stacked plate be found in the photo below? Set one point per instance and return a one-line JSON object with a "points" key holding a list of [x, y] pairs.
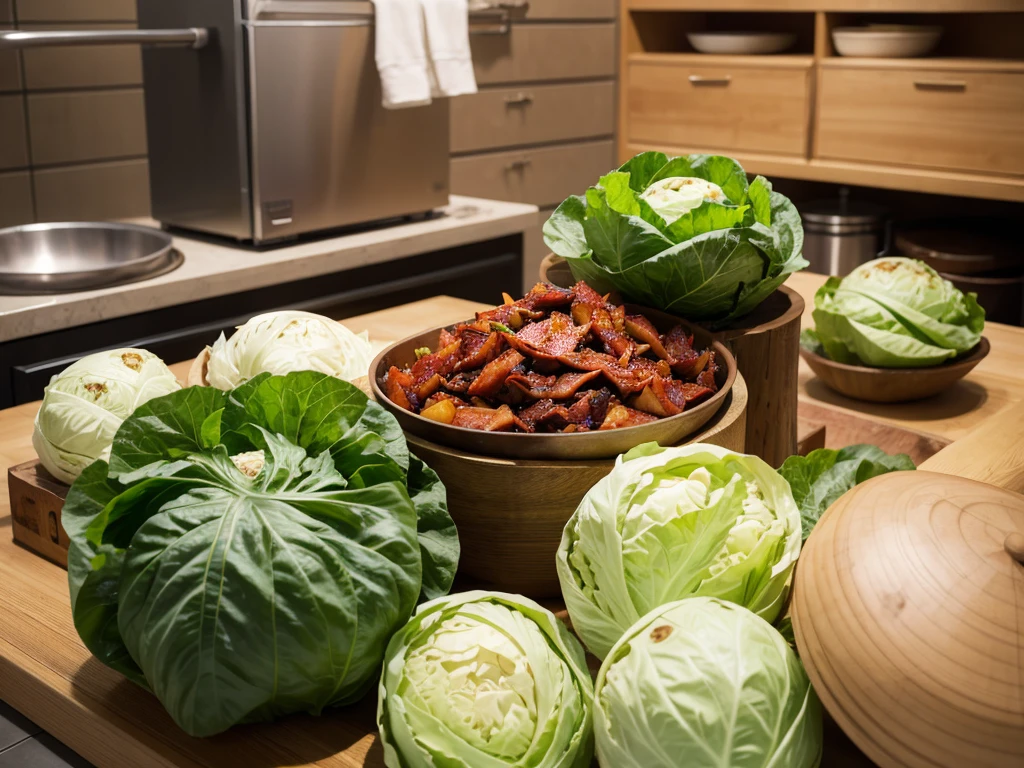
{"points": [[741, 43], [886, 41]]}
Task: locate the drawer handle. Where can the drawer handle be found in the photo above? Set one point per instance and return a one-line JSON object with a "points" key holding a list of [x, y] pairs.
{"points": [[940, 85], [698, 80], [518, 99], [518, 165]]}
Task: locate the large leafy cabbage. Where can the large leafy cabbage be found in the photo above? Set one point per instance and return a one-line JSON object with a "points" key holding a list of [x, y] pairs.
{"points": [[485, 680], [704, 683], [823, 475], [669, 523], [247, 554], [686, 235], [894, 312]]}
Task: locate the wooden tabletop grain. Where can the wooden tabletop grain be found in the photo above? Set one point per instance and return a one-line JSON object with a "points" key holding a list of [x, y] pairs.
{"points": [[48, 675]]}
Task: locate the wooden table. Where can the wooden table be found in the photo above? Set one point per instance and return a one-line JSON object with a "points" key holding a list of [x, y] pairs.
{"points": [[48, 675]]}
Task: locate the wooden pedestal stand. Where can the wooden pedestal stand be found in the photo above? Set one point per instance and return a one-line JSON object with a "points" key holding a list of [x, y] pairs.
{"points": [[766, 344]]}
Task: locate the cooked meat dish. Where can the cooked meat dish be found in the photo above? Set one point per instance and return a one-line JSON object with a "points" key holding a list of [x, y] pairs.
{"points": [[557, 360]]}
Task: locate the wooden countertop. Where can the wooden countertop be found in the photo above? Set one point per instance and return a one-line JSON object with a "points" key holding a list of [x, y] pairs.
{"points": [[48, 675]]}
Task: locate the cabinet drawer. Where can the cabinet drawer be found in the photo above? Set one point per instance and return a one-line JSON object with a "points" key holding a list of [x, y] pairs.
{"points": [[544, 177], [544, 52], [747, 108], [970, 121], [508, 117], [570, 9]]}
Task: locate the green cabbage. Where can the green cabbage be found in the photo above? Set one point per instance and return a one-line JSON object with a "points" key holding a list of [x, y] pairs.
{"points": [[686, 235], [669, 523], [822, 476], [247, 554], [705, 684], [894, 313], [86, 402], [485, 680], [287, 341]]}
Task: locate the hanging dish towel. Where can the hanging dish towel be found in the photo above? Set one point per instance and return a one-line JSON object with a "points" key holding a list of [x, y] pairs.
{"points": [[449, 60], [401, 53]]}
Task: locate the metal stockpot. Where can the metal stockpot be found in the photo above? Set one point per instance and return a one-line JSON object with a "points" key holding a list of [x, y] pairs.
{"points": [[840, 235]]}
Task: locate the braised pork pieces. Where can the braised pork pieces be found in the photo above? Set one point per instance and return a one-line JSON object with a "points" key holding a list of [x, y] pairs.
{"points": [[557, 360]]}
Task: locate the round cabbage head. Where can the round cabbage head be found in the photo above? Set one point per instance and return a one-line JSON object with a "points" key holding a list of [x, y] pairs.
{"points": [[85, 404], [285, 342], [485, 680], [676, 196], [710, 681], [669, 523], [894, 312]]}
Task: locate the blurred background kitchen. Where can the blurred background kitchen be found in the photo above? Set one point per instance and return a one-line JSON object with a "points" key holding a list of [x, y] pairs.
{"points": [[894, 126]]}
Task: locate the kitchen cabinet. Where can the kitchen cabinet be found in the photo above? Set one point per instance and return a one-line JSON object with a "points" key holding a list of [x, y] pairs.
{"points": [[949, 123], [542, 126]]}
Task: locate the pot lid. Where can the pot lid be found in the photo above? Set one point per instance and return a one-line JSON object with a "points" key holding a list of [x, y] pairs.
{"points": [[962, 246], [842, 211], [908, 611]]}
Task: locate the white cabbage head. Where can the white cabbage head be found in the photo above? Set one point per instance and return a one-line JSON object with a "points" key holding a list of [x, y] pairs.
{"points": [[285, 342], [676, 196], [485, 680], [669, 523], [85, 404], [705, 683]]}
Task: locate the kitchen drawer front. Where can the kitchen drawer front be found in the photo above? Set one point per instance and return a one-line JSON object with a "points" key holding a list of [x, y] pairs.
{"points": [[544, 52], [751, 109], [569, 9], [969, 121], [544, 177], [535, 114]]}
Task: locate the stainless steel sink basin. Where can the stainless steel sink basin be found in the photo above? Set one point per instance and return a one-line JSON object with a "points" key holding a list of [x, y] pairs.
{"points": [[77, 256]]}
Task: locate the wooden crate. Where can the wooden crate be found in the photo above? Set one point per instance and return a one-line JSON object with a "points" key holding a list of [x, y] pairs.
{"points": [[36, 502]]}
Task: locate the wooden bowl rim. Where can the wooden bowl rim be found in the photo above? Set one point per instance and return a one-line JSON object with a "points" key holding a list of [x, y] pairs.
{"points": [[968, 360], [711, 405]]}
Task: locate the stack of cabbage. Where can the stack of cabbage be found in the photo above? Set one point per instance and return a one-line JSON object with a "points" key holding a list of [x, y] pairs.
{"points": [[686, 235], [246, 554], [667, 568], [894, 313]]}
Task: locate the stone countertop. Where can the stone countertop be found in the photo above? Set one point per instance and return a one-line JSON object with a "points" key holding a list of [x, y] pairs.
{"points": [[219, 267]]}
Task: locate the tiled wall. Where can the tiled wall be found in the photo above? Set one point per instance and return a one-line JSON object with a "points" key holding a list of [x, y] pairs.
{"points": [[72, 125]]}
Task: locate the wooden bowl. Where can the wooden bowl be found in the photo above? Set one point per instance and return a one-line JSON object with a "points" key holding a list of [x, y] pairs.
{"points": [[908, 611], [574, 446], [197, 373], [510, 512], [893, 385]]}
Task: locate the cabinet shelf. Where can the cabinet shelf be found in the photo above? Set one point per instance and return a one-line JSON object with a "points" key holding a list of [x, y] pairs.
{"points": [[780, 61], [859, 174], [961, 64], [832, 6]]}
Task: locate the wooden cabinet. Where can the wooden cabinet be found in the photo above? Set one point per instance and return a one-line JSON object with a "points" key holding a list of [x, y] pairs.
{"points": [[728, 107], [544, 52], [532, 114], [964, 120], [544, 176], [542, 126]]}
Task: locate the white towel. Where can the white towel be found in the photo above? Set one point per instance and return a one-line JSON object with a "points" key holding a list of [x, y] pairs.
{"points": [[450, 62], [401, 53]]}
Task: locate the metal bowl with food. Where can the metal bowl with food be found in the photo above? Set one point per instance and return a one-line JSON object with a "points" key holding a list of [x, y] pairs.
{"points": [[664, 382]]}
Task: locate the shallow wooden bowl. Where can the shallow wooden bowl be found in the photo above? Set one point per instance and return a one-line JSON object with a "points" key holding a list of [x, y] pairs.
{"points": [[198, 370], [510, 512], [574, 446], [908, 614], [893, 385]]}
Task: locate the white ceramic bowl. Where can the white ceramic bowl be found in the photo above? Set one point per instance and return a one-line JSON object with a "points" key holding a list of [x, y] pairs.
{"points": [[886, 41], [741, 43]]}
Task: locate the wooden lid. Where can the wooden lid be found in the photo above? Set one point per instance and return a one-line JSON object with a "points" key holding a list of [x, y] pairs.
{"points": [[908, 610]]}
